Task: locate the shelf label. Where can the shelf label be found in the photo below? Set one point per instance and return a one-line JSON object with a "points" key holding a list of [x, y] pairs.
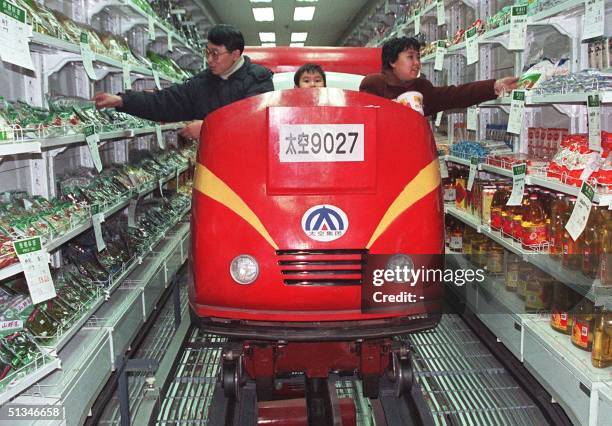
{"points": [[176, 177], [518, 28], [471, 46], [35, 262], [96, 220], [439, 118], [440, 53], [594, 19], [10, 326], [14, 36], [159, 137], [92, 139], [169, 39], [417, 22], [594, 112], [440, 12], [593, 163], [155, 72], [132, 213], [443, 168], [517, 112], [472, 113], [87, 56], [127, 80], [519, 171], [473, 170], [151, 27], [580, 214]]}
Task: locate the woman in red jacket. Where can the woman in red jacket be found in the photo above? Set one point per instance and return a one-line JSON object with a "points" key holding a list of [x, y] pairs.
{"points": [[401, 60]]}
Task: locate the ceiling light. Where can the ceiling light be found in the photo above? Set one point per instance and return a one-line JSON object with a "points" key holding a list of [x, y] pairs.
{"points": [[296, 44], [261, 1], [268, 44], [299, 36], [306, 1], [263, 14], [303, 13], [267, 37]]}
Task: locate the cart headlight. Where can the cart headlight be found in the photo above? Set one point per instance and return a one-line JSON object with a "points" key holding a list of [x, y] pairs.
{"points": [[244, 269], [403, 262]]}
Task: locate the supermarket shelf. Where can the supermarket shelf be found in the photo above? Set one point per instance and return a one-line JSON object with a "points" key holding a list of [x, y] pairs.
{"points": [[600, 198], [577, 281], [47, 42], [14, 148], [12, 390], [605, 97], [11, 270], [566, 372], [88, 358]]}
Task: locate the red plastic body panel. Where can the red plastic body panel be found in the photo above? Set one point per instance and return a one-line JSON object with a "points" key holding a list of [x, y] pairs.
{"points": [[351, 60], [236, 149]]}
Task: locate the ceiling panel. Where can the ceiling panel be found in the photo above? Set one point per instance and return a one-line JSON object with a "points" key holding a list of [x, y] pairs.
{"points": [[331, 19]]}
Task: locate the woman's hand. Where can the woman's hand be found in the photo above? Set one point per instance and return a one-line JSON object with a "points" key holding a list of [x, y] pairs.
{"points": [[192, 130], [505, 85], [106, 100]]}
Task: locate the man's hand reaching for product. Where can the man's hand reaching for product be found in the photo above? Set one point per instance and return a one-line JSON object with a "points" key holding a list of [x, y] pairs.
{"points": [[192, 130], [106, 100], [505, 85]]}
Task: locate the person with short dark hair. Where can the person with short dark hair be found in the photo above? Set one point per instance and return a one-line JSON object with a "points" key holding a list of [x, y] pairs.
{"points": [[229, 77], [401, 71], [310, 75]]}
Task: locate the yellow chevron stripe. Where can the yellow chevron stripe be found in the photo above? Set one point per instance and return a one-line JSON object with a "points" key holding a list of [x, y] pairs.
{"points": [[210, 185], [423, 183]]}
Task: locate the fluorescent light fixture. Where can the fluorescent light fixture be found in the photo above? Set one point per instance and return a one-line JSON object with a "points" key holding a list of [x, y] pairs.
{"points": [[261, 1], [299, 36], [296, 44], [303, 13], [305, 1], [268, 44], [271, 37], [262, 14]]}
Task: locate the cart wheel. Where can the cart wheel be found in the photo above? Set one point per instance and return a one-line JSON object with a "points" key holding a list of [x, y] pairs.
{"points": [[402, 372], [231, 378]]}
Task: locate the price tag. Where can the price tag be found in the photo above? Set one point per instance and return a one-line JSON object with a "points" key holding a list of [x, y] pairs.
{"points": [[159, 137], [92, 139], [471, 46], [176, 177], [87, 56], [580, 215], [10, 326], [518, 28], [170, 47], [155, 72], [14, 36], [443, 168], [594, 162], [594, 19], [35, 262], [473, 170], [151, 28], [127, 80], [160, 184], [472, 113], [440, 52], [518, 184], [594, 111], [440, 12], [517, 112], [132, 213], [417, 22], [439, 118], [96, 220]]}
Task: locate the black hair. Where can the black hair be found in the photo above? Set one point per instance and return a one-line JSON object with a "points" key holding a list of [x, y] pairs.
{"points": [[308, 68], [393, 47], [228, 36]]}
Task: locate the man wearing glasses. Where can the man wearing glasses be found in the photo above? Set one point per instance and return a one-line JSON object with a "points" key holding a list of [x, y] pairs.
{"points": [[229, 77]]}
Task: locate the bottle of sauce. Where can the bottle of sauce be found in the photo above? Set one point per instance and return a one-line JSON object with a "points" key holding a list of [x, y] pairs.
{"points": [[582, 325], [456, 238], [517, 219], [564, 300], [601, 357], [605, 260], [557, 226], [511, 273], [533, 226], [538, 292], [500, 198], [495, 259], [591, 245], [571, 249]]}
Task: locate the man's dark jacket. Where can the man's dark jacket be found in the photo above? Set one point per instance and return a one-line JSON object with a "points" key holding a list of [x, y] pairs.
{"points": [[198, 96]]}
